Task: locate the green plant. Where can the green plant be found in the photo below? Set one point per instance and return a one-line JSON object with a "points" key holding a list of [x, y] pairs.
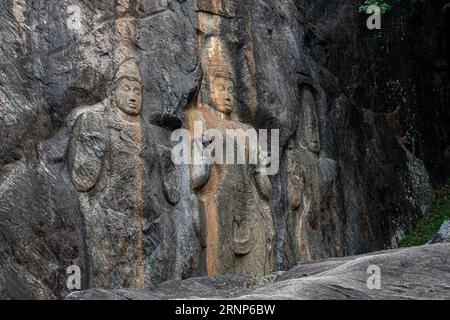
{"points": [[429, 225], [384, 7]]}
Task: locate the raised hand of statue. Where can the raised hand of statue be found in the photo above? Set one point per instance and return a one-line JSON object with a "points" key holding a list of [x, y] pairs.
{"points": [[201, 167]]}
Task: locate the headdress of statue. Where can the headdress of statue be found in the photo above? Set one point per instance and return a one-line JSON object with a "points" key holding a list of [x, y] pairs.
{"points": [[217, 70], [128, 70], [219, 81]]}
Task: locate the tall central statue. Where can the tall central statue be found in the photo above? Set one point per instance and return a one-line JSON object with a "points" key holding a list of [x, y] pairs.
{"points": [[123, 185], [238, 229]]}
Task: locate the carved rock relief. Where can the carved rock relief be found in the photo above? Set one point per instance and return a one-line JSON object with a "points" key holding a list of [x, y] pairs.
{"points": [[314, 222], [231, 200], [124, 178]]}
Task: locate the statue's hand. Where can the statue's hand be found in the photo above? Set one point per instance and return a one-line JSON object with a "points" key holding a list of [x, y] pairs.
{"points": [[264, 160], [169, 175], [201, 167], [200, 174]]}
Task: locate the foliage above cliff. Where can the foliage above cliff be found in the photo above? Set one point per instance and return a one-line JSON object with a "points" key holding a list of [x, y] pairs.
{"points": [[384, 7]]}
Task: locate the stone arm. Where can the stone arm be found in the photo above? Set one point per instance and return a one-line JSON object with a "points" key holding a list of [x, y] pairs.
{"points": [[169, 176], [264, 187], [200, 169], [295, 178], [87, 147], [262, 180]]}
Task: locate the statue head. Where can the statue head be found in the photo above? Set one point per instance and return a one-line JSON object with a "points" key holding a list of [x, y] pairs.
{"points": [[222, 91], [128, 89], [308, 131], [218, 86]]}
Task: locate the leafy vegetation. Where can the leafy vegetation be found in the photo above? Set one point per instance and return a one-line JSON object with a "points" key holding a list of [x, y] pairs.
{"points": [[429, 225], [383, 5]]}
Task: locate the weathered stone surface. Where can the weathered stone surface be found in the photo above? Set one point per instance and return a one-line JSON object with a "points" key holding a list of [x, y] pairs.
{"points": [[443, 235], [414, 273], [40, 234], [363, 118], [311, 189], [66, 158], [205, 287], [239, 229]]}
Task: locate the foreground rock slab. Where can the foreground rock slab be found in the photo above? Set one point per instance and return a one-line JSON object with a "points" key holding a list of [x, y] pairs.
{"points": [[413, 273]]}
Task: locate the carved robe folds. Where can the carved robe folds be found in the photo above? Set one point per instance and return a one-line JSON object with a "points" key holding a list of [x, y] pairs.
{"points": [[118, 173]]}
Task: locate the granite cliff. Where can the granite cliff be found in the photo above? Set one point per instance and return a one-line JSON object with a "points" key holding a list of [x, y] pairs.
{"points": [[91, 92]]}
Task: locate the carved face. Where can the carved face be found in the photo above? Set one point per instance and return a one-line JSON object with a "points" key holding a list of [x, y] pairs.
{"points": [[129, 96], [222, 94], [309, 125]]}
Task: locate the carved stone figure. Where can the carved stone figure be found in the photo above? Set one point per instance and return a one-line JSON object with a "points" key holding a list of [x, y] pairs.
{"points": [[102, 40], [308, 131], [238, 227], [124, 183], [313, 197], [19, 8]]}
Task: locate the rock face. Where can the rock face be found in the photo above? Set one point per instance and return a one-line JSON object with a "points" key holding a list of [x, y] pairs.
{"points": [[415, 273], [238, 230], [443, 234], [91, 92]]}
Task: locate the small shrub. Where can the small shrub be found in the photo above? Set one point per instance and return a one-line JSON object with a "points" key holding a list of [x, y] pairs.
{"points": [[384, 7], [430, 224]]}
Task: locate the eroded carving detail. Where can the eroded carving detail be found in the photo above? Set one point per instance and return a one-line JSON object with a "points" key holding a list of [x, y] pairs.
{"points": [[313, 197], [117, 170], [308, 131], [102, 39], [19, 8]]}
